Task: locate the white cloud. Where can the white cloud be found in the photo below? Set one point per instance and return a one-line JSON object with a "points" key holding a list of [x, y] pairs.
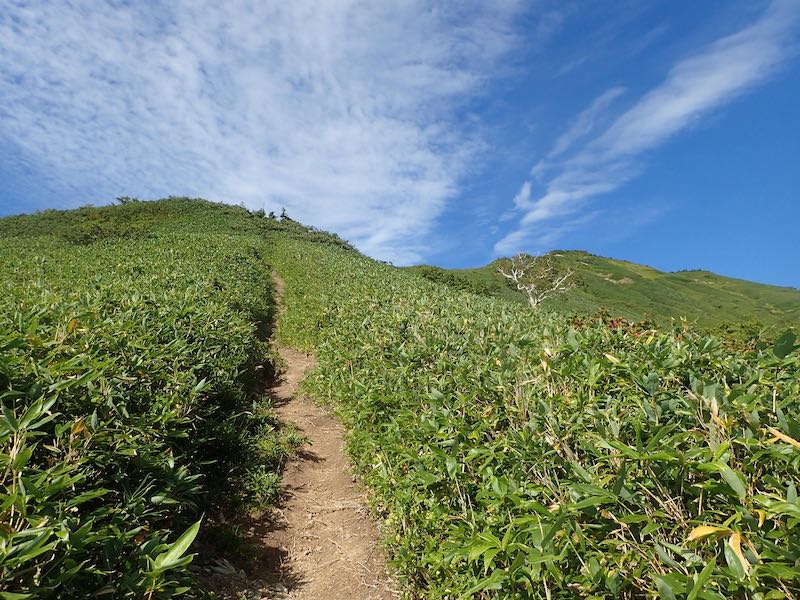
{"points": [[694, 87], [343, 112], [585, 122], [523, 197]]}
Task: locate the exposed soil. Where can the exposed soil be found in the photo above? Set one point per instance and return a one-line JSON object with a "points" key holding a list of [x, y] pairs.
{"points": [[323, 538], [319, 543]]}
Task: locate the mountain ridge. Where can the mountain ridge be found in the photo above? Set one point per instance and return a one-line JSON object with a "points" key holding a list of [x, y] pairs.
{"points": [[639, 292], [619, 287]]}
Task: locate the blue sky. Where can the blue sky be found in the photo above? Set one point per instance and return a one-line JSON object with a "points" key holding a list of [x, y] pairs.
{"points": [[663, 132]]}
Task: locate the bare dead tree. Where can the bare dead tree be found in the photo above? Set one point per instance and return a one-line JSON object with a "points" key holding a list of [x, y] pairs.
{"points": [[538, 277]]}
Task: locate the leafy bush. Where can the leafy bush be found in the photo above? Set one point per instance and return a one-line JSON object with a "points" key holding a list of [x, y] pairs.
{"points": [[452, 279], [126, 379], [514, 455]]}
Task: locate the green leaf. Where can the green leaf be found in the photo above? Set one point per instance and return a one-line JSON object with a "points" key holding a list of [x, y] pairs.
{"points": [[650, 384], [493, 582], [477, 548], [488, 558], [583, 473], [428, 478], [784, 345], [734, 564], [500, 486], [452, 465], [702, 578], [178, 548], [734, 479], [87, 496], [22, 458], [34, 410], [791, 493], [650, 528], [200, 386], [595, 570], [665, 587], [11, 422]]}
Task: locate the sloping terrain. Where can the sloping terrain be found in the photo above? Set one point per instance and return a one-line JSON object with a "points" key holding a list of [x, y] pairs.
{"points": [[132, 351], [516, 454], [637, 292], [319, 543], [509, 453]]}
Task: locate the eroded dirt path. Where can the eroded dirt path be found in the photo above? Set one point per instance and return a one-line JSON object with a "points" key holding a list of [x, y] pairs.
{"points": [[321, 543]]}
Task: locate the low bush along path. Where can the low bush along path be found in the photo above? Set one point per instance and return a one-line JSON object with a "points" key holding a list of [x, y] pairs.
{"points": [[322, 542]]}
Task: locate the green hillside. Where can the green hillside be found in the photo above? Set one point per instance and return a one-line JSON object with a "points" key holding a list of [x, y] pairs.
{"points": [[516, 455], [132, 347], [637, 292], [509, 454]]}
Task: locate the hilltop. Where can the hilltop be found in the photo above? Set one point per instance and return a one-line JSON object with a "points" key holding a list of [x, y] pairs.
{"points": [[638, 292], [621, 288]]}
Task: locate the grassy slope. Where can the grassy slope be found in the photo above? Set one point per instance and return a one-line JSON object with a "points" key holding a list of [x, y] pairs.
{"points": [[637, 292], [515, 455], [143, 325]]}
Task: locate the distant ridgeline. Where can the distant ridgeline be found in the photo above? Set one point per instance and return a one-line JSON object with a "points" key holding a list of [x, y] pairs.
{"points": [[639, 293]]}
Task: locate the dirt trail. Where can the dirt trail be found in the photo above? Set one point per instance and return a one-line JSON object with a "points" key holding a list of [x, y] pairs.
{"points": [[320, 543]]}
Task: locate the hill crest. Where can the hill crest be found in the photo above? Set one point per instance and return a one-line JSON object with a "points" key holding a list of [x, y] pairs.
{"points": [[640, 292]]}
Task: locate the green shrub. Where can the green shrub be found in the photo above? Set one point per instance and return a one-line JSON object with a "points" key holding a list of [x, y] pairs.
{"points": [[514, 455], [127, 377]]}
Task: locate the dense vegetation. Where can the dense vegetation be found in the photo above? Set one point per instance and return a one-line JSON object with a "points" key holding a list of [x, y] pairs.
{"points": [[130, 340], [636, 292], [519, 455], [512, 454]]}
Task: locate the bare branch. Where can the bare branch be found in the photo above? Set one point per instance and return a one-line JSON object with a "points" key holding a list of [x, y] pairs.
{"points": [[537, 277]]}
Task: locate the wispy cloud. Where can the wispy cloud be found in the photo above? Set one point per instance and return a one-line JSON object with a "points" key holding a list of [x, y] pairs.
{"points": [[584, 124], [694, 87], [343, 112]]}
